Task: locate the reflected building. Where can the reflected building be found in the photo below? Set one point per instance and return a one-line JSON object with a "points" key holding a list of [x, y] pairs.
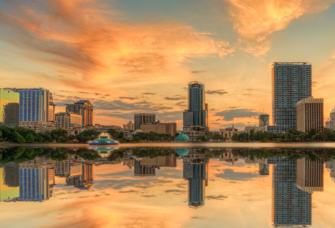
{"points": [[9, 182], [67, 168], [262, 162], [310, 175], [290, 205], [9, 108], [330, 165], [143, 170], [197, 175], [36, 182], [84, 181]]}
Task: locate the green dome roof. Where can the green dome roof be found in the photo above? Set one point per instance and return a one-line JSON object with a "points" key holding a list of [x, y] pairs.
{"points": [[182, 138], [182, 151], [103, 149]]}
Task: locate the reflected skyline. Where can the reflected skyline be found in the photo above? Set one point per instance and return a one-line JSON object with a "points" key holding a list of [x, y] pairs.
{"points": [[294, 180]]}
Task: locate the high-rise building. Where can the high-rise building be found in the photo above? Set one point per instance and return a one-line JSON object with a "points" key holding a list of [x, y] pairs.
{"points": [[263, 120], [290, 205], [67, 168], [160, 128], [207, 113], [197, 114], [9, 181], [9, 107], [143, 170], [330, 123], [83, 108], [67, 120], [52, 108], [34, 182], [196, 174], [310, 114], [310, 175], [291, 82], [83, 181], [143, 118], [34, 104]]}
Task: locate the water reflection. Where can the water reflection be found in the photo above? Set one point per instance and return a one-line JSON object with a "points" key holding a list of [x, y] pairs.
{"points": [[28, 174]]}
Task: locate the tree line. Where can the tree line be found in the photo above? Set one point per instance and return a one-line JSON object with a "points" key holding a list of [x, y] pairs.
{"points": [[289, 136]]}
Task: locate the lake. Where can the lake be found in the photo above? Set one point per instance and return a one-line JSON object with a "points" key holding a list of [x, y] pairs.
{"points": [[168, 185]]}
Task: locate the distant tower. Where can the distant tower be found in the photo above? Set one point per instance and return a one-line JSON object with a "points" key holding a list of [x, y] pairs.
{"points": [[197, 114]]}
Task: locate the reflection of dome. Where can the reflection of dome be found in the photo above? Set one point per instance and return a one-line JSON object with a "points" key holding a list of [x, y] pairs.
{"points": [[182, 138], [103, 142], [182, 151], [103, 149]]}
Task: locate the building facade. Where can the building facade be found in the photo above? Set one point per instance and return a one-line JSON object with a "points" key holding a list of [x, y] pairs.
{"points": [[83, 108], [160, 128], [310, 114], [9, 108], [34, 104], [67, 120], [264, 120], [143, 118], [52, 109], [197, 114], [38, 126], [129, 126], [83, 181], [310, 175], [9, 182], [330, 123], [143, 170], [291, 82]]}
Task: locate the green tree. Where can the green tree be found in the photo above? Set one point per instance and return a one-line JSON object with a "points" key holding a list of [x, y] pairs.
{"points": [[19, 138], [201, 138], [177, 134], [114, 133], [136, 139], [217, 137], [30, 138], [252, 135]]}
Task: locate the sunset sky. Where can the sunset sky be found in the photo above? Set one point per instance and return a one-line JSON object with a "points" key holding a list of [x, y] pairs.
{"points": [[129, 56]]}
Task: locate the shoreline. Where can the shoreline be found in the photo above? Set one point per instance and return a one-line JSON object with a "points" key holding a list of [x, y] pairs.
{"points": [[191, 145]]}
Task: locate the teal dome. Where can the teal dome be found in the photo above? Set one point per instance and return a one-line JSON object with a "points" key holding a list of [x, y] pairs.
{"points": [[182, 151], [103, 142], [182, 138], [103, 149]]}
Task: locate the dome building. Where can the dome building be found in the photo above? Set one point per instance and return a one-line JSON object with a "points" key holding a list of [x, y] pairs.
{"points": [[182, 138]]}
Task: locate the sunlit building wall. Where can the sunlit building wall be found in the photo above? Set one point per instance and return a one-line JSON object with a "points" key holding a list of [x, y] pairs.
{"points": [[310, 175], [83, 108], [310, 114], [291, 82], [67, 120], [9, 182], [143, 170], [9, 107], [143, 118]]}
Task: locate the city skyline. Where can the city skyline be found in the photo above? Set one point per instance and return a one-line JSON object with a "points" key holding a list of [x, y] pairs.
{"points": [[150, 52]]}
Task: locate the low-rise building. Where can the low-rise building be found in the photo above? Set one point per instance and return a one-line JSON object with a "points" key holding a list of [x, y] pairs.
{"points": [[330, 123], [160, 128], [255, 128], [129, 126], [228, 132], [67, 120], [38, 126]]}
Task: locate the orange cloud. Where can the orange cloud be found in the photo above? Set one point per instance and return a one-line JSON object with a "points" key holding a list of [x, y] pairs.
{"points": [[80, 36], [256, 20]]}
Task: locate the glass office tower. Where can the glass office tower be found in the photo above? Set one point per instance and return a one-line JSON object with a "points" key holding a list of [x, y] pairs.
{"points": [[291, 82], [196, 115], [34, 104], [9, 107]]}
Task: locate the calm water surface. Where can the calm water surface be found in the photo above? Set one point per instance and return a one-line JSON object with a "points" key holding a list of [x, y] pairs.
{"points": [[167, 187]]}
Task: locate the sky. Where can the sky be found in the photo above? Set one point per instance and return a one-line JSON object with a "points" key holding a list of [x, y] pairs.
{"points": [[129, 56], [236, 196]]}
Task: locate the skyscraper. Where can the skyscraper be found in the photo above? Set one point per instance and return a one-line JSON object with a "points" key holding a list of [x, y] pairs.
{"points": [[52, 108], [291, 82], [83, 108], [310, 114], [34, 104], [143, 118], [9, 107], [196, 174], [197, 114], [310, 175], [290, 205], [143, 170]]}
